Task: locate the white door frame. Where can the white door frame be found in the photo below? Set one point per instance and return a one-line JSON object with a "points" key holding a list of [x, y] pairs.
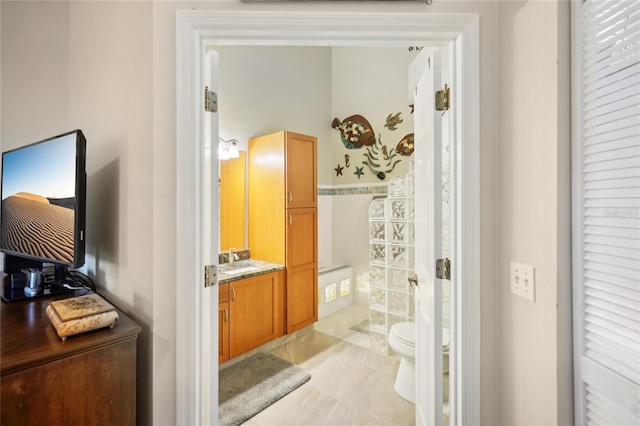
{"points": [[198, 29]]}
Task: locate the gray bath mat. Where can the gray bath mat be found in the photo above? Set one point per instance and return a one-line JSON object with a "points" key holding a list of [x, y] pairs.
{"points": [[250, 386]]}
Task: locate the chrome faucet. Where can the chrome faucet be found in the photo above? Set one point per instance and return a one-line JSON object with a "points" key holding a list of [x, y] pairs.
{"points": [[233, 257]]}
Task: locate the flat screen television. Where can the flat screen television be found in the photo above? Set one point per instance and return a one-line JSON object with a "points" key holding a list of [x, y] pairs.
{"points": [[43, 201]]}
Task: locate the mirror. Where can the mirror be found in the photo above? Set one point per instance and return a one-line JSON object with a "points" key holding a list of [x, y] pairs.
{"points": [[232, 199]]}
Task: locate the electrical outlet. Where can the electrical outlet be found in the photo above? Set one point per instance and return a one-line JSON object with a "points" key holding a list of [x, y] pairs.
{"points": [[523, 281]]}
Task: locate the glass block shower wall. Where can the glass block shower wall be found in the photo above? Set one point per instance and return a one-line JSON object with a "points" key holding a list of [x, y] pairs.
{"points": [[391, 259]]}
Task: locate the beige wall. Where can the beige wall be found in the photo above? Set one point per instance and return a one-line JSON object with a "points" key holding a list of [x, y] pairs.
{"points": [[533, 199], [109, 68]]}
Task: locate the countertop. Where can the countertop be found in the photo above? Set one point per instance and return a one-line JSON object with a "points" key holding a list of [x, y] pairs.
{"points": [[258, 267]]}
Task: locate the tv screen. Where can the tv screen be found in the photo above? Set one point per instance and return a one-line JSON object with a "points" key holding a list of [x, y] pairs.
{"points": [[43, 200]]}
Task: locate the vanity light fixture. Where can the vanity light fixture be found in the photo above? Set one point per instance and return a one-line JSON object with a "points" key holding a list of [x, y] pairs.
{"points": [[232, 151]]}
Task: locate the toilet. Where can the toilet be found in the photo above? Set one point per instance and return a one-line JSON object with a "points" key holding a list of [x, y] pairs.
{"points": [[402, 341]]}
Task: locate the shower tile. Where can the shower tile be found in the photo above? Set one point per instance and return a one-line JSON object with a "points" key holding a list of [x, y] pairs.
{"points": [[377, 253], [376, 208], [398, 256], [398, 279], [398, 303], [397, 187], [377, 299], [398, 232], [377, 276], [398, 209], [376, 231], [377, 322]]}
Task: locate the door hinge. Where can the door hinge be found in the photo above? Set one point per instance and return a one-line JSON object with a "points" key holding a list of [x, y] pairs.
{"points": [[210, 100], [210, 272], [442, 99], [443, 269]]}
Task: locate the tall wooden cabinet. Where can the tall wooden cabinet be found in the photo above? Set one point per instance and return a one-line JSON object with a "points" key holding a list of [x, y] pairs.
{"points": [[283, 224]]}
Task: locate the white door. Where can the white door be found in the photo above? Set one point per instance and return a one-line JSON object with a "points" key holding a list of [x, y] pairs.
{"points": [[209, 356], [606, 212], [425, 70]]}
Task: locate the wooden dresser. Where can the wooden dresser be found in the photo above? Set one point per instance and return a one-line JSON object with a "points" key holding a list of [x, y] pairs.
{"points": [[87, 379]]}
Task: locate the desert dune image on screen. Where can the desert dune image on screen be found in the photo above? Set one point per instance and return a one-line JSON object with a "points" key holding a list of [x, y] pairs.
{"points": [[38, 199]]}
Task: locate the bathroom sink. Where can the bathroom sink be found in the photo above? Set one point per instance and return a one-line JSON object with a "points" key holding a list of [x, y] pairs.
{"points": [[238, 270]]}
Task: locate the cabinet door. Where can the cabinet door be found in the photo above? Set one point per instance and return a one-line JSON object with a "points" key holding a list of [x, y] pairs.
{"points": [[301, 237], [302, 268], [223, 332], [301, 171], [302, 297], [254, 312]]}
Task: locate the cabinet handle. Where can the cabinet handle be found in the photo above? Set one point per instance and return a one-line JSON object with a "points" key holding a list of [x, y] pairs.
{"points": [[233, 298], [290, 197], [290, 218], [226, 315]]}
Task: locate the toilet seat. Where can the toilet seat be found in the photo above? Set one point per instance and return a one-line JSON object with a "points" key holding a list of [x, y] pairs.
{"points": [[405, 333]]}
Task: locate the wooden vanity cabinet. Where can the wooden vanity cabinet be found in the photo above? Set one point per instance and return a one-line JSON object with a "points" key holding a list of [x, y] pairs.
{"points": [[223, 323], [250, 313], [283, 216], [254, 312]]}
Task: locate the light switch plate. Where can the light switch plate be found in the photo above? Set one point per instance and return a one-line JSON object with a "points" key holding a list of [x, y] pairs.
{"points": [[523, 281]]}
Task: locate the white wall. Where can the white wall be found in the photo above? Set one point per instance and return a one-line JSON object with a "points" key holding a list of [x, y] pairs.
{"points": [[266, 89], [533, 198], [371, 82]]}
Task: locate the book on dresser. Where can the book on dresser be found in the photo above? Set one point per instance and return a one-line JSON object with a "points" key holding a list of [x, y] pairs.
{"points": [[81, 314]]}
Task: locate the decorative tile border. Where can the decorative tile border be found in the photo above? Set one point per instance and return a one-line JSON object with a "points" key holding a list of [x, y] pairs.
{"points": [[353, 190]]}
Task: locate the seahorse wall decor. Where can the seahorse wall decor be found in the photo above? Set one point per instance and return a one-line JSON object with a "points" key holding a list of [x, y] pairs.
{"points": [[379, 160]]}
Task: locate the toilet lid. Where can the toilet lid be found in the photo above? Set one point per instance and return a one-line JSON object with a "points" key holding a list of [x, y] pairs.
{"points": [[405, 332]]}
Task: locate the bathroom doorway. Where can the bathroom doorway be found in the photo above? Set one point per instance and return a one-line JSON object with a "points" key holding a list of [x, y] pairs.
{"points": [[454, 31]]}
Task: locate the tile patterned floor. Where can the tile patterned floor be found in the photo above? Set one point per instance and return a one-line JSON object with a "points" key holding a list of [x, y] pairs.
{"points": [[350, 385]]}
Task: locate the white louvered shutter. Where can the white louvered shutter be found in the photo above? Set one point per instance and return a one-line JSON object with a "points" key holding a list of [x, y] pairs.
{"points": [[606, 200]]}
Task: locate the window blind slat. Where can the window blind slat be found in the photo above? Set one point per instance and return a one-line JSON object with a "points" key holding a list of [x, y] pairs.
{"points": [[612, 103], [632, 121], [625, 82], [608, 241], [611, 145], [604, 51], [607, 114], [612, 269], [621, 252], [628, 293], [628, 204], [622, 163], [615, 193], [613, 183], [618, 326], [603, 339], [612, 24], [627, 283], [621, 76], [630, 132], [623, 262], [621, 300]]}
